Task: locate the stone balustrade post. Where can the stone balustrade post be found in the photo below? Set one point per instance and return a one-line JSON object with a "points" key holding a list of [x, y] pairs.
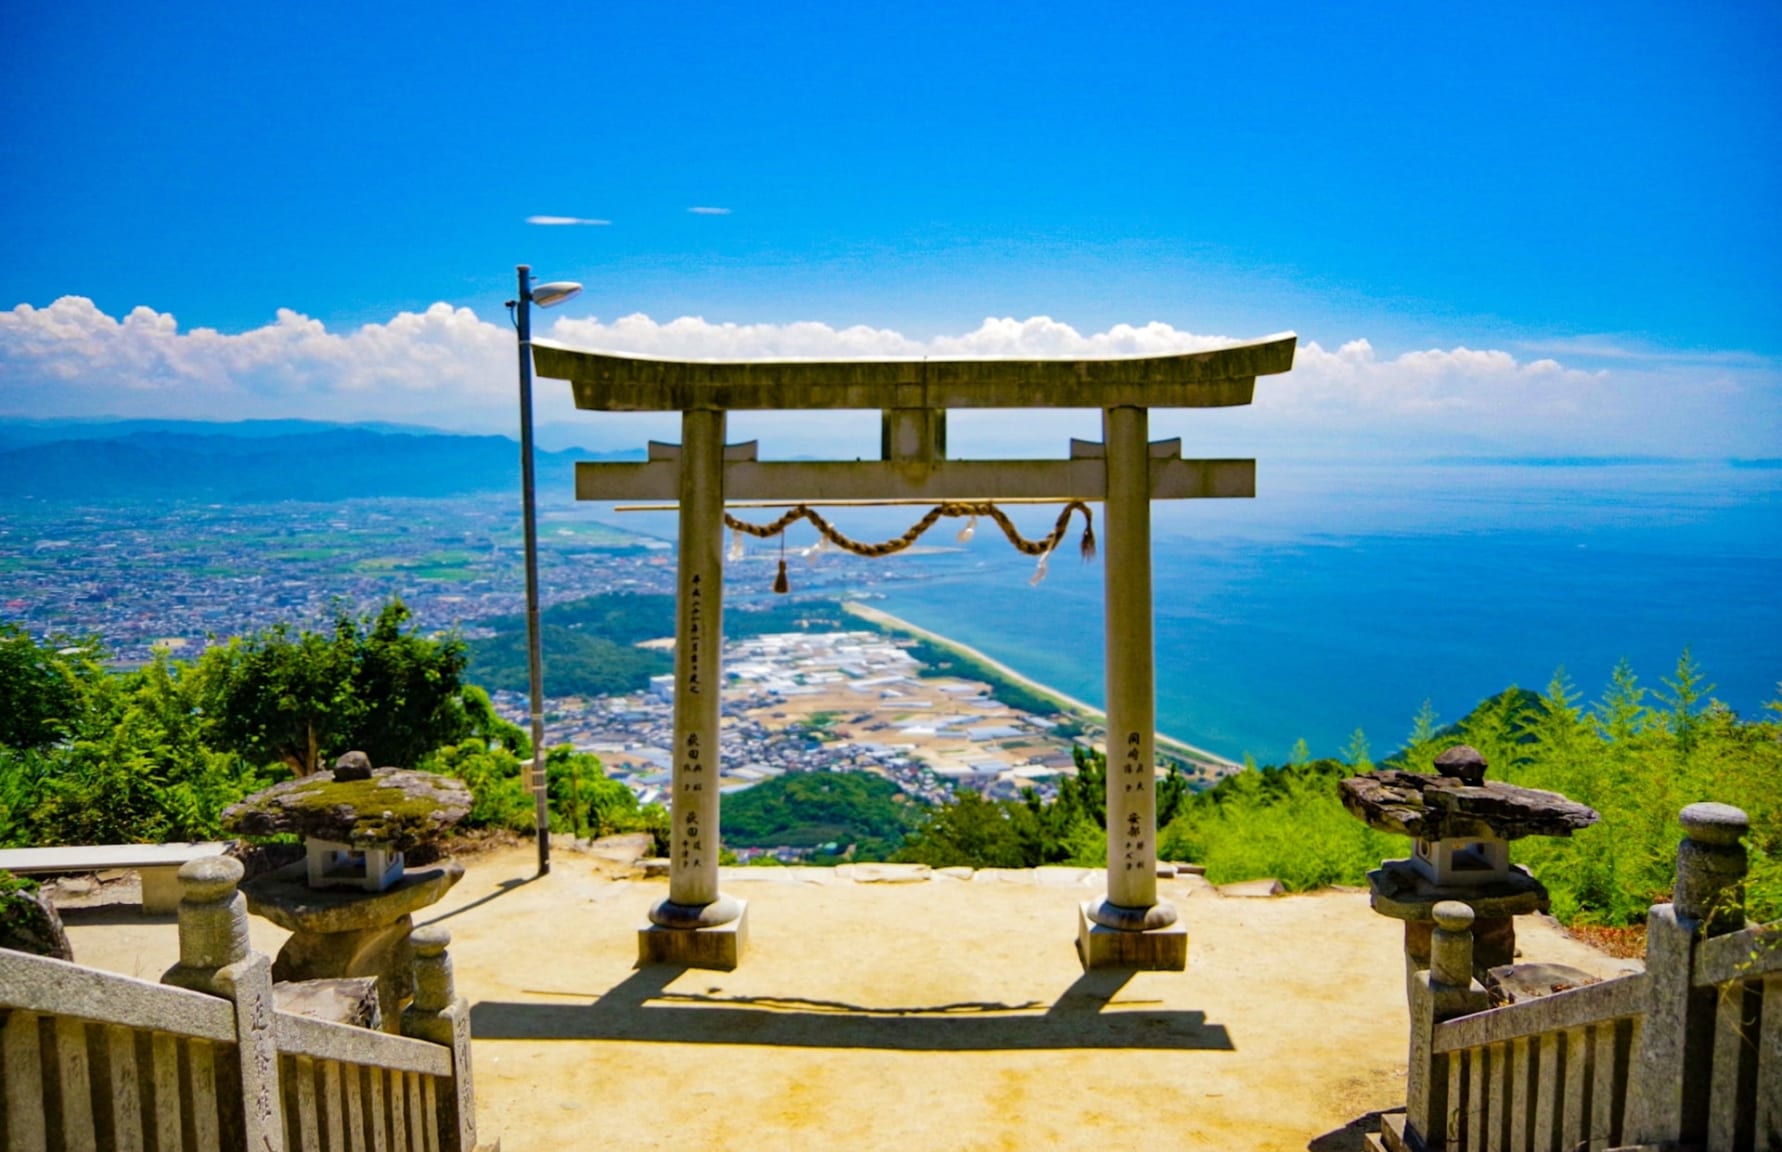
{"points": [[1443, 991], [215, 958], [213, 924], [1674, 1063], [440, 1016], [1711, 866]]}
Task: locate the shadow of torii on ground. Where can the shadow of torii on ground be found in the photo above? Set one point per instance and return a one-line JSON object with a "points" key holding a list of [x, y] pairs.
{"points": [[640, 1008]]}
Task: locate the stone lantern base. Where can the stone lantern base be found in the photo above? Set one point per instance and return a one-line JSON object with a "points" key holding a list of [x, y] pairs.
{"points": [[346, 932]]}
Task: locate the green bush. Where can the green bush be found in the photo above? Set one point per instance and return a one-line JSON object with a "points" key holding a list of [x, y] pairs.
{"points": [[1636, 756], [1284, 823]]}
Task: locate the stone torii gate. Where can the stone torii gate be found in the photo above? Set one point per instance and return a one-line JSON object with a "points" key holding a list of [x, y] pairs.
{"points": [[699, 926]]}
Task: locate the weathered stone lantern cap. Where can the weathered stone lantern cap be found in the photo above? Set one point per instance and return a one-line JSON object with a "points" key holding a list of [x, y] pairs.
{"points": [[1446, 807], [395, 807]]}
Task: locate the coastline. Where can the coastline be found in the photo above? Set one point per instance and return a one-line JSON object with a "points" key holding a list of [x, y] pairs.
{"points": [[1218, 765]]}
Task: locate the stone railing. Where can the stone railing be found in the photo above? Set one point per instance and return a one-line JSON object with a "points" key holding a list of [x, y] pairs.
{"points": [[204, 1060], [1686, 1054]]}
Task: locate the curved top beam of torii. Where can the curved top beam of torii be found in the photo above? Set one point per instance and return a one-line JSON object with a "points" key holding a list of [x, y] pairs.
{"points": [[611, 382]]}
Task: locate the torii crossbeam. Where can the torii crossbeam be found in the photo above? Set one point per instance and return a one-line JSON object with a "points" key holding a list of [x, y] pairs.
{"points": [[1130, 927]]}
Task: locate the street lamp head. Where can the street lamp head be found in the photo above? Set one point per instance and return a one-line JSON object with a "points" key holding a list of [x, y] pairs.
{"points": [[556, 292]]}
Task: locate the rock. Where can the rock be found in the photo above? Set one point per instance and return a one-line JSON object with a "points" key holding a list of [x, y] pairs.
{"points": [[886, 873], [353, 766], [395, 806], [655, 867], [1002, 876], [1189, 869], [76, 885], [1463, 762], [1166, 871], [1062, 876], [1252, 888], [1510, 983], [346, 1000], [625, 849], [956, 872], [29, 923]]}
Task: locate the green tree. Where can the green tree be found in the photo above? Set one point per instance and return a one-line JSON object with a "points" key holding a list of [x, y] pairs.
{"points": [[973, 832], [1424, 744], [1495, 729], [302, 698], [1618, 716], [136, 768], [39, 693], [1686, 702], [408, 689], [1561, 735], [1355, 753]]}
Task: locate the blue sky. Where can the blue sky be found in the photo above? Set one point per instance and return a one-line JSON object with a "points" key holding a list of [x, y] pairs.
{"points": [[1594, 185]]}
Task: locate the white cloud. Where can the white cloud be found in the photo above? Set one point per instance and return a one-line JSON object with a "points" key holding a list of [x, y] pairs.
{"points": [[555, 221], [704, 211], [447, 367]]}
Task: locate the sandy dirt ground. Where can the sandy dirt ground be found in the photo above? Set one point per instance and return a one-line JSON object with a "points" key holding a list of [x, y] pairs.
{"points": [[944, 1014]]}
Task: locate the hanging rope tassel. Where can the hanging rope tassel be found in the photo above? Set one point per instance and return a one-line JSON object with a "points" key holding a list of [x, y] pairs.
{"points": [[967, 532], [736, 545], [1088, 545], [1039, 570], [780, 583]]}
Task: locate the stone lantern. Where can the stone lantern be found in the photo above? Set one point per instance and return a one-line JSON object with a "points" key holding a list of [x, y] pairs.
{"points": [[370, 865], [349, 903], [1460, 825]]}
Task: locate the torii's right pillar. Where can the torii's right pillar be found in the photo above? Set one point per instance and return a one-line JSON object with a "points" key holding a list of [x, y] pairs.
{"points": [[1130, 927]]}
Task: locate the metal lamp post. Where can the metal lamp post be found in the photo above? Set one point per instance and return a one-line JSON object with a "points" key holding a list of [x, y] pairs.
{"points": [[544, 296]]}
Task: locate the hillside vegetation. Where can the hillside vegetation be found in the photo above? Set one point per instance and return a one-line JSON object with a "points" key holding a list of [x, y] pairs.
{"points": [[809, 809], [1636, 755], [589, 645], [92, 756]]}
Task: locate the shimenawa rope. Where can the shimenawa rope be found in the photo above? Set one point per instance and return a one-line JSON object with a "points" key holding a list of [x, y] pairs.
{"points": [[1042, 548]]}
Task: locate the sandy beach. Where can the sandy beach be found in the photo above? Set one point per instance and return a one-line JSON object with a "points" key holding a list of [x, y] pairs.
{"points": [[1070, 704]]}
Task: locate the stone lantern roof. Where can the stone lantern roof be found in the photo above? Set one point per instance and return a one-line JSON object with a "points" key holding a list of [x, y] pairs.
{"points": [[397, 807], [1456, 806]]}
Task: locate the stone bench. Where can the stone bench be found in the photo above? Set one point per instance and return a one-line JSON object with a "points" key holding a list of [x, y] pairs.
{"points": [[157, 864]]}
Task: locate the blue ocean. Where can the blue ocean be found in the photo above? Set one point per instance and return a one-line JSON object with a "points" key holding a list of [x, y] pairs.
{"points": [[1342, 597]]}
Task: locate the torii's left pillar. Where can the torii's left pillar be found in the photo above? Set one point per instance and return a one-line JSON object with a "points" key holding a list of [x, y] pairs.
{"points": [[697, 926]]}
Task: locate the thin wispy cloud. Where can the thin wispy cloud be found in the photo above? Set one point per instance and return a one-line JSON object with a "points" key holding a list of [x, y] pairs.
{"points": [[706, 211], [1615, 348], [557, 221]]}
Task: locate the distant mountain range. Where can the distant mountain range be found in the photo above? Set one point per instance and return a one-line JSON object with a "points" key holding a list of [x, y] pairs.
{"points": [[262, 460]]}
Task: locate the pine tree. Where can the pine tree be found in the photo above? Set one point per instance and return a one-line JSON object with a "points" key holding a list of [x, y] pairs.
{"points": [[1422, 747], [1355, 752], [1688, 699]]}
